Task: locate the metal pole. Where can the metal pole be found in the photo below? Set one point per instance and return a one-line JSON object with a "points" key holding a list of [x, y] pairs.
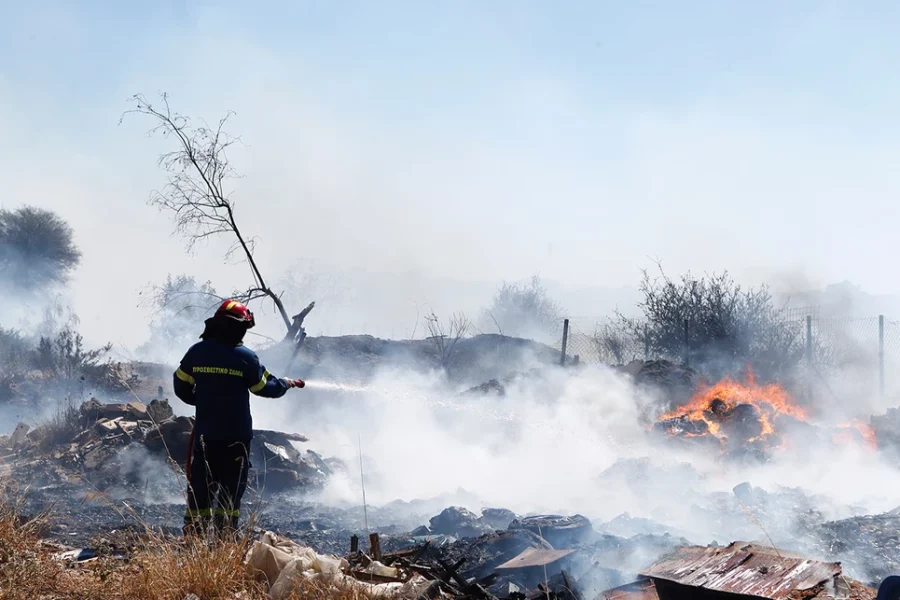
{"points": [[687, 344], [565, 341], [881, 355], [809, 345], [809, 357]]}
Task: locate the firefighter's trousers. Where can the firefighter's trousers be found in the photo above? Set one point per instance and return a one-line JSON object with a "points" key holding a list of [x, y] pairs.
{"points": [[218, 481]]}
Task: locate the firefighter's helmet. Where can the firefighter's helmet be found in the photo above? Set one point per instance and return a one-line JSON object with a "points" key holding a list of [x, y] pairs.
{"points": [[232, 309]]}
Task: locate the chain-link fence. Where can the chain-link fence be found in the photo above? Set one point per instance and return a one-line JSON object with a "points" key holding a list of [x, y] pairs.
{"points": [[837, 353]]}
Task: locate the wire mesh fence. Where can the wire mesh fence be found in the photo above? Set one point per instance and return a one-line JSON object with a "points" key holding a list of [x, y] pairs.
{"points": [[836, 351]]}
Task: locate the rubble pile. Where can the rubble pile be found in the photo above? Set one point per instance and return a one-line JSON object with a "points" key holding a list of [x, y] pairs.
{"points": [[483, 554], [788, 515], [97, 443], [545, 552], [869, 545], [458, 522], [286, 568], [517, 564]]}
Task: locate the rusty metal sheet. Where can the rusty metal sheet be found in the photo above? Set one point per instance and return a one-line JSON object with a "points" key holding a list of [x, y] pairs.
{"points": [[639, 590], [535, 557], [742, 569]]}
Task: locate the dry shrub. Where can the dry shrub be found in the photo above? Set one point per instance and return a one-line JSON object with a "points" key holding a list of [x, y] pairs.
{"points": [[62, 427]]}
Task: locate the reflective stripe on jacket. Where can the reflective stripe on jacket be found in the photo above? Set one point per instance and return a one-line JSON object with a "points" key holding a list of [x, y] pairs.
{"points": [[217, 378]]}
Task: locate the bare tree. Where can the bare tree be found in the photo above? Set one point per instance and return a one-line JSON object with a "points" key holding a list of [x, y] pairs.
{"points": [[197, 194], [446, 335]]}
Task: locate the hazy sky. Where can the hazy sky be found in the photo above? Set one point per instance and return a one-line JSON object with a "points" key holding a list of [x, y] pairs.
{"points": [[468, 141]]}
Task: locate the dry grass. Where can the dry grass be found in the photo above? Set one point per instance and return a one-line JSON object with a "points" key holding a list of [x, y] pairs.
{"points": [[160, 569], [170, 570], [23, 574], [28, 569]]}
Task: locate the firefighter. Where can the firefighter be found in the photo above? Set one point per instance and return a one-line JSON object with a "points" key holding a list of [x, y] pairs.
{"points": [[216, 376]]}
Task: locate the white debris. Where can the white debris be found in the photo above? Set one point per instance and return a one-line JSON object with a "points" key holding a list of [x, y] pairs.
{"points": [[287, 566]]}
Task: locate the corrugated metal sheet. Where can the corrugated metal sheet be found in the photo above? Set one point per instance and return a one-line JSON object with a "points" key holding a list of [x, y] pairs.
{"points": [[743, 569], [535, 557], [639, 590]]}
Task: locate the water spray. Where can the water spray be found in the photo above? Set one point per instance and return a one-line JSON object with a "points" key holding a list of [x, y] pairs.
{"points": [[333, 386], [484, 413]]}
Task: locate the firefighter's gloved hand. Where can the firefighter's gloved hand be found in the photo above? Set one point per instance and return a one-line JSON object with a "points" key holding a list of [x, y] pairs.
{"points": [[294, 383]]}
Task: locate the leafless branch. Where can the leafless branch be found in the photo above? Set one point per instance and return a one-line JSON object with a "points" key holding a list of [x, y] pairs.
{"points": [[416, 325], [445, 336], [494, 319], [196, 192]]}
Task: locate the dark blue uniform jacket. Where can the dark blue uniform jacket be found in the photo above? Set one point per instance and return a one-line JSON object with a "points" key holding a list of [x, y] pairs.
{"points": [[217, 378]]}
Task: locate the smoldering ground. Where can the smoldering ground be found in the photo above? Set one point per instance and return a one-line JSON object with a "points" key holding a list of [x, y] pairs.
{"points": [[563, 441]]}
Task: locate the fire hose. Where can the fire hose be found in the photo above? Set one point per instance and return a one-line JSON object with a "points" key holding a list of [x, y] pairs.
{"points": [[190, 456]]}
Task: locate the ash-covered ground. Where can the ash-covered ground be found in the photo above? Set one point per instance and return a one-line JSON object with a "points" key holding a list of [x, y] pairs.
{"points": [[541, 457]]}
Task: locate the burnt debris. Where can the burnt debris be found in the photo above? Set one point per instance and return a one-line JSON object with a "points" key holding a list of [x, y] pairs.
{"points": [[101, 448]]}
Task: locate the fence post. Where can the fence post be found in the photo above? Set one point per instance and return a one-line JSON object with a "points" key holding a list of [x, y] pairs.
{"points": [[809, 345], [809, 357], [881, 355], [646, 343], [687, 344], [565, 340]]}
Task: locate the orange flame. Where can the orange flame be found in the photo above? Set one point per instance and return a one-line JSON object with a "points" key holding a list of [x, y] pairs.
{"points": [[855, 430], [770, 400]]}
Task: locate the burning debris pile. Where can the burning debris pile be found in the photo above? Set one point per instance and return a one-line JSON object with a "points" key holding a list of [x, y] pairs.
{"points": [[745, 419], [734, 414], [97, 443]]}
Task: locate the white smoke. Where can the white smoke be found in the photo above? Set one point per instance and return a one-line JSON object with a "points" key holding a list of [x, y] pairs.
{"points": [[560, 441]]}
